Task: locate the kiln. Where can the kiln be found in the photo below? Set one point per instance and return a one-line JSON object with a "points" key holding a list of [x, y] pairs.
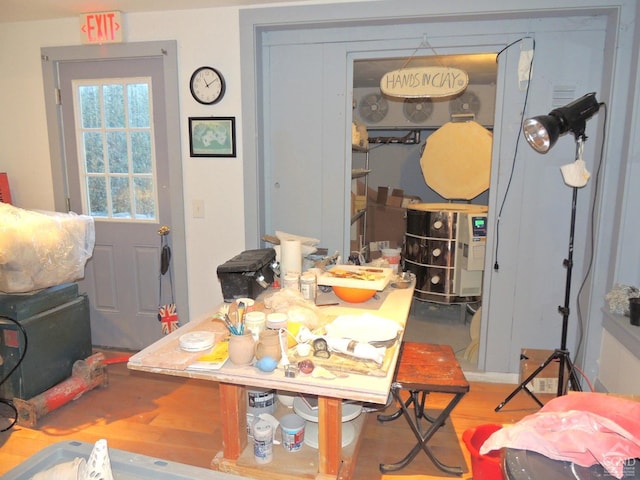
{"points": [[56, 321], [445, 242]]}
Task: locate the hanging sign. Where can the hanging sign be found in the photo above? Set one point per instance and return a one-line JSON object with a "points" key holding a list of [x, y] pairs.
{"points": [[424, 82], [101, 27]]}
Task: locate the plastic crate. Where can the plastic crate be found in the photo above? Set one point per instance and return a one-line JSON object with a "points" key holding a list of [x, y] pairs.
{"points": [[124, 465]]}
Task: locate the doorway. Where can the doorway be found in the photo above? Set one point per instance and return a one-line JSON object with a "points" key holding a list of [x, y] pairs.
{"points": [[114, 131], [398, 130]]}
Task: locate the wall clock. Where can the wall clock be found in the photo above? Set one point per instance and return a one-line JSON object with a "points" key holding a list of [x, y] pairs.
{"points": [[207, 85]]}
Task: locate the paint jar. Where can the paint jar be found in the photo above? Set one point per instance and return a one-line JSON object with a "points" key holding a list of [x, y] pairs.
{"points": [[309, 286], [255, 322], [292, 427], [262, 442], [292, 280], [278, 321]]}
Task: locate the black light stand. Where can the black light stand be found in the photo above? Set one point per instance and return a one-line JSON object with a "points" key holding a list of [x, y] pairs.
{"points": [[542, 132], [561, 354]]}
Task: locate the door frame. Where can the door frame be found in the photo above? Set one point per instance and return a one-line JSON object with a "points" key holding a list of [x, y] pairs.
{"points": [[167, 50]]}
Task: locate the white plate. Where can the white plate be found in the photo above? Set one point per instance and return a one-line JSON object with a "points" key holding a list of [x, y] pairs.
{"points": [[197, 341], [363, 328]]}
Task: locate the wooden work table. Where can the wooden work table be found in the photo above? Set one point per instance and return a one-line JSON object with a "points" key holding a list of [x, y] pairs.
{"points": [[331, 460]]}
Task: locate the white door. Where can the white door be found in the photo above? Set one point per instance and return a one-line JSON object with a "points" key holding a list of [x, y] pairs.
{"points": [[114, 138]]}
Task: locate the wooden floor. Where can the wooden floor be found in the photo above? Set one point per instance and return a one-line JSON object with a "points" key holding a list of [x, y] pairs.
{"points": [[178, 419]]}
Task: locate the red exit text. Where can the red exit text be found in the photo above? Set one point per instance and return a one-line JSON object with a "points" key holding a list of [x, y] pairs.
{"points": [[103, 27]]}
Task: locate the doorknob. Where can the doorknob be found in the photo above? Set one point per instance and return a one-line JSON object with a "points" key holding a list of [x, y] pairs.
{"points": [[164, 230]]}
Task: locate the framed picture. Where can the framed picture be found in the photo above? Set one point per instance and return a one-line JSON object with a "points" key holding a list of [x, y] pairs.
{"points": [[212, 136]]}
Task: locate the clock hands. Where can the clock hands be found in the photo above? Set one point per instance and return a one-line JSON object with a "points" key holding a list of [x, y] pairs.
{"points": [[209, 83]]}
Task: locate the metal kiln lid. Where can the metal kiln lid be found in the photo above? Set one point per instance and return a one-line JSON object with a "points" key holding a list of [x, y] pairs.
{"points": [[456, 161]]}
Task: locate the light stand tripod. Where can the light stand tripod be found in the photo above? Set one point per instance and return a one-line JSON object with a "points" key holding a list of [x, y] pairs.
{"points": [[561, 354]]}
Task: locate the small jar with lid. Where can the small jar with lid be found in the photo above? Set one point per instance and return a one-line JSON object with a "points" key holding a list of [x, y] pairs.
{"points": [[292, 280], [309, 286]]}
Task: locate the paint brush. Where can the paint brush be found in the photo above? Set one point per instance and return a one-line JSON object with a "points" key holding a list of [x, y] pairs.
{"points": [[241, 307]]}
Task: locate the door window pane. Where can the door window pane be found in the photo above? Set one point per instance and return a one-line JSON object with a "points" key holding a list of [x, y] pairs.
{"points": [[138, 105], [116, 151], [90, 106], [144, 197], [114, 106], [141, 152], [120, 197], [97, 197], [93, 153]]}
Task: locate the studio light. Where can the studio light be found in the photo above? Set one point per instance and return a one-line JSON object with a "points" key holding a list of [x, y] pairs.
{"points": [[543, 131]]}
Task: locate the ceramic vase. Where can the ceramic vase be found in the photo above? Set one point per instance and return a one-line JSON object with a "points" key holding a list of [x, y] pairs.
{"points": [[241, 349], [268, 345]]}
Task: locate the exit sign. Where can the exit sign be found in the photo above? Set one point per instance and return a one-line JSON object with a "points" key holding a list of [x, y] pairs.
{"points": [[101, 27]]}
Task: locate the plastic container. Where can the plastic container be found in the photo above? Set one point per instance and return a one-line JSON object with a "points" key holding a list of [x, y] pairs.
{"points": [[292, 427], [261, 401], [483, 467], [262, 442], [392, 255], [124, 465], [255, 322]]}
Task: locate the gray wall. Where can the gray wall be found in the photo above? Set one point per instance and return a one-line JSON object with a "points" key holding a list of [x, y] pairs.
{"points": [[300, 97]]}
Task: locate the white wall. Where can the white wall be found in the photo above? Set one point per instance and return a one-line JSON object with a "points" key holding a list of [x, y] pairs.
{"points": [[205, 37]]}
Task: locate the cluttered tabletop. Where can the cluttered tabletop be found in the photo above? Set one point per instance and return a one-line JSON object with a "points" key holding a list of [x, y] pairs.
{"points": [[323, 345]]}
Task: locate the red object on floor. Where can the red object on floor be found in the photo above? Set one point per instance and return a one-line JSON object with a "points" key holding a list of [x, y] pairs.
{"points": [[483, 467], [114, 360], [86, 375], [5, 193]]}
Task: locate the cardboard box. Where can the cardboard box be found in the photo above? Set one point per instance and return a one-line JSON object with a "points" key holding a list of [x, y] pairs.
{"points": [[386, 223], [547, 380], [388, 196]]}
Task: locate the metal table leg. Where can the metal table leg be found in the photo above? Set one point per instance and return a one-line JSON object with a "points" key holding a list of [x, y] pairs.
{"points": [[415, 423]]}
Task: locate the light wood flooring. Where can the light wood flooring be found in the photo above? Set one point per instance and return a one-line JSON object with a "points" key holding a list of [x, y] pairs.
{"points": [[178, 420]]}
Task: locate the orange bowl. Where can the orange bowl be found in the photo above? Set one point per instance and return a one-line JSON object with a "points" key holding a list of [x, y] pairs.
{"points": [[353, 295]]}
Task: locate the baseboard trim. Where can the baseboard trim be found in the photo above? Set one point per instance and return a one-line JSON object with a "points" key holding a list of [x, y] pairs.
{"points": [[492, 377]]}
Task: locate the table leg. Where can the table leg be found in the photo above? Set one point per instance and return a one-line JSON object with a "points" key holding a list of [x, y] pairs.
{"points": [[329, 435], [233, 404]]}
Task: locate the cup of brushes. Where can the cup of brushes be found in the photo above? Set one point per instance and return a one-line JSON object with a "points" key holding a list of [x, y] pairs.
{"points": [[241, 344]]}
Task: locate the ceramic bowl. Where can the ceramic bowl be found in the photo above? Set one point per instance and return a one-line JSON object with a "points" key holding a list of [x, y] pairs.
{"points": [[353, 295]]}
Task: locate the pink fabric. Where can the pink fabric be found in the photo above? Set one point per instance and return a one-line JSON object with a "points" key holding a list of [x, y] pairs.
{"points": [[584, 428]]}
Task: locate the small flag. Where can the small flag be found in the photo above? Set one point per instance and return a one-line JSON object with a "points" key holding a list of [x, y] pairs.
{"points": [[168, 316]]}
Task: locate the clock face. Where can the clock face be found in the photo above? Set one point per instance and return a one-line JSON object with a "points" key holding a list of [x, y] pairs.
{"points": [[207, 85]]}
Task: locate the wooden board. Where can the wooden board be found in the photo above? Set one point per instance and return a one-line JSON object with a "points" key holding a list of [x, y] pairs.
{"points": [[377, 277], [167, 352]]}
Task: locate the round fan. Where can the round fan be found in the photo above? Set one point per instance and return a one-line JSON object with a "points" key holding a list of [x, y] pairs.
{"points": [[373, 107], [417, 110], [466, 103]]}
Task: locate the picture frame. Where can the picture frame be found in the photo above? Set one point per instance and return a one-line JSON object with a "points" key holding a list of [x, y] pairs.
{"points": [[212, 136]]}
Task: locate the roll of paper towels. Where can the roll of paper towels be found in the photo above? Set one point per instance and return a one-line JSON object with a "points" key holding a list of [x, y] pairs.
{"points": [[291, 253]]}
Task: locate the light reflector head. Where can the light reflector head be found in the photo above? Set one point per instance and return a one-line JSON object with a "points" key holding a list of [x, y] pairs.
{"points": [[543, 131]]}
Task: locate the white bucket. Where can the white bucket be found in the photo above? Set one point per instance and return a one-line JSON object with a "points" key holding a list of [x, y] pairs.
{"points": [[292, 427], [261, 401]]}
